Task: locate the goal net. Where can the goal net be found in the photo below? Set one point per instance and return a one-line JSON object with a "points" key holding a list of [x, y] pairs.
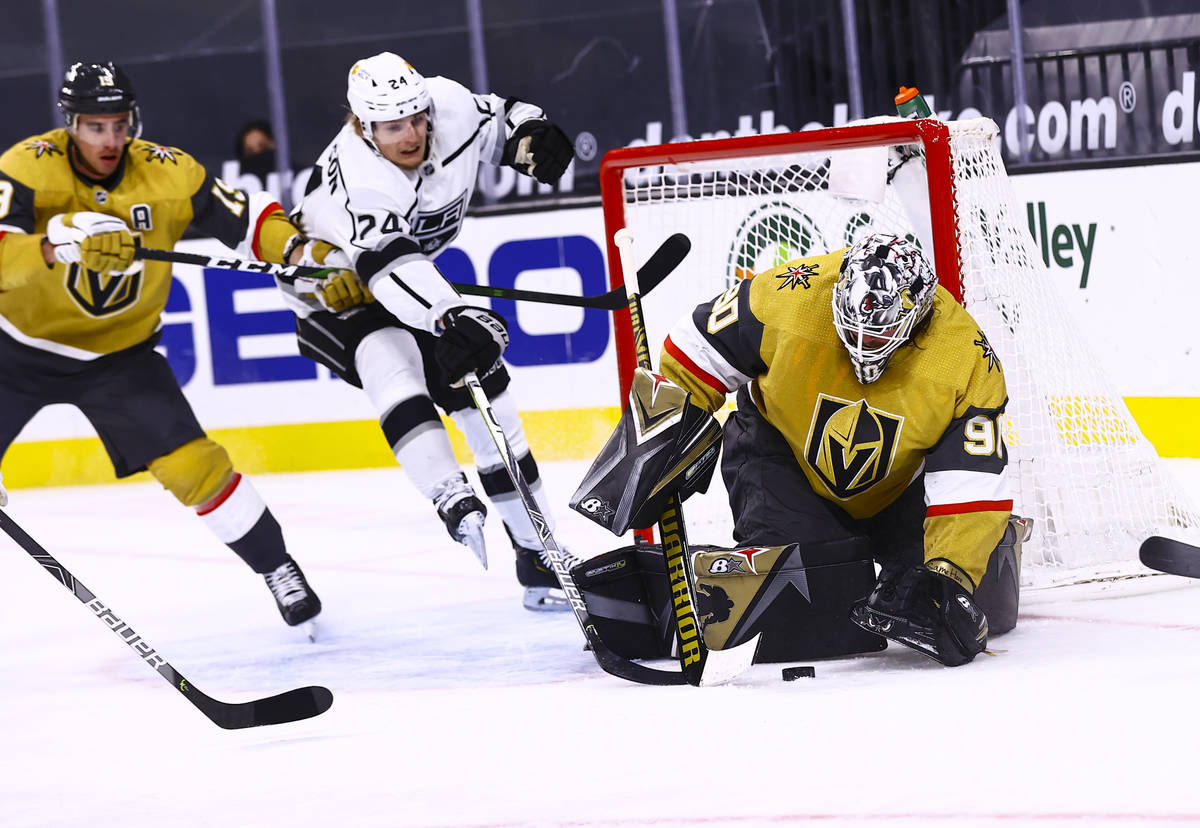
{"points": [[1078, 463]]}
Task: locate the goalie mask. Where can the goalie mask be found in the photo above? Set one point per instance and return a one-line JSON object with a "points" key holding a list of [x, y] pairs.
{"points": [[98, 89], [884, 290], [385, 87]]}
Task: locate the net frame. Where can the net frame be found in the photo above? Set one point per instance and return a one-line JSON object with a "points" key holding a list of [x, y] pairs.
{"points": [[1064, 424]]}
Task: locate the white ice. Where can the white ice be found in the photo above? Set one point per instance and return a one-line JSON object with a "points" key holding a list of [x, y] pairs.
{"points": [[456, 707]]}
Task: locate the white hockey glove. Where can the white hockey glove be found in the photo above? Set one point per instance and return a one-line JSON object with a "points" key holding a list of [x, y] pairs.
{"points": [[472, 339], [98, 242]]}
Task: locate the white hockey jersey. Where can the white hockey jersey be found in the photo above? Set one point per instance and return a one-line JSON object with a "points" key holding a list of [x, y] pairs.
{"points": [[391, 222]]}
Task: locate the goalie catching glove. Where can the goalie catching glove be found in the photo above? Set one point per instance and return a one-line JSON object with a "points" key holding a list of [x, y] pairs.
{"points": [[98, 242], [540, 149], [471, 339], [927, 610]]}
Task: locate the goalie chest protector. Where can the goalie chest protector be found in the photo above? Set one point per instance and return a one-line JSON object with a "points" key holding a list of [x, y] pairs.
{"points": [[798, 596]]}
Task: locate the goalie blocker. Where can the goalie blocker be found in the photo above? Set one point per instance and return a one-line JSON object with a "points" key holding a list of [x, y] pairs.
{"points": [[663, 445]]}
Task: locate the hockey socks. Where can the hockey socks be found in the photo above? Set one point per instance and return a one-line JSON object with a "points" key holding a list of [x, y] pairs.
{"points": [[241, 520]]}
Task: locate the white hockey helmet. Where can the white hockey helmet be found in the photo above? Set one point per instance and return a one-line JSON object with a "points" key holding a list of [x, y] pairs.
{"points": [[385, 87], [884, 290]]}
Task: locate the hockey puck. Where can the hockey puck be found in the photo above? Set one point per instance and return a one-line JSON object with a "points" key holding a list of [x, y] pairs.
{"points": [[793, 673]]}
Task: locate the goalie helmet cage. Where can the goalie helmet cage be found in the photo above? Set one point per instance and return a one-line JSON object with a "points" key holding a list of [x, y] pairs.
{"points": [[1078, 463]]}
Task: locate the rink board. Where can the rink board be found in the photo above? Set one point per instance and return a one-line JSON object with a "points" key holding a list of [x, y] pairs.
{"points": [[1103, 233]]}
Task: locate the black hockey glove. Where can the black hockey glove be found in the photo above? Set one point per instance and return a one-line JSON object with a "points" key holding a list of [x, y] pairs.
{"points": [[472, 340], [540, 149], [927, 611]]}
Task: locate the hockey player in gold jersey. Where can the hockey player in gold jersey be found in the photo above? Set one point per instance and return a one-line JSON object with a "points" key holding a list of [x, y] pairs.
{"points": [[868, 405], [79, 318]]}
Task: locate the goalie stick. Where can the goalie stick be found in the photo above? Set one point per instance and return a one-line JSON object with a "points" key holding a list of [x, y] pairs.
{"points": [[292, 706], [699, 665], [609, 661], [309, 277], [664, 260], [1170, 556]]}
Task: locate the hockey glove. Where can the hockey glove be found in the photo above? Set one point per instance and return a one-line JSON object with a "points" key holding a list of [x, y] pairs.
{"points": [[98, 242], [472, 339], [927, 611], [341, 289], [540, 149]]}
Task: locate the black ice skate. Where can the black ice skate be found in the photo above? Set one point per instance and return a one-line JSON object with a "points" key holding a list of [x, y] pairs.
{"points": [[463, 514], [297, 603], [543, 593]]}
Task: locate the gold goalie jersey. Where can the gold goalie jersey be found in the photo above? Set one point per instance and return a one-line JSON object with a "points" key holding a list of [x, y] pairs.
{"points": [[158, 191], [935, 408]]}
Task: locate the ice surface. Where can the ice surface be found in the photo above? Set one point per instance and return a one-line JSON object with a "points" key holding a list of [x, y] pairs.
{"points": [[456, 707]]}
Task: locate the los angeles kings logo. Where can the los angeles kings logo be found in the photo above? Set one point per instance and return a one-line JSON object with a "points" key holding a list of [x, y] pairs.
{"points": [[851, 445]]}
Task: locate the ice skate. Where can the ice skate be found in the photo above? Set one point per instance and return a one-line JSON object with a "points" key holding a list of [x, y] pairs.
{"points": [[463, 513], [543, 593], [297, 603]]}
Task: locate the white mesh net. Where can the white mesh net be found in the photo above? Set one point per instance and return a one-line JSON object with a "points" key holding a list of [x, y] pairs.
{"points": [[1079, 464]]}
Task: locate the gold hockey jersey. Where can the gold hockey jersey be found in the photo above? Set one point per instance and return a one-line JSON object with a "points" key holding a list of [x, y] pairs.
{"points": [[935, 410], [158, 191]]}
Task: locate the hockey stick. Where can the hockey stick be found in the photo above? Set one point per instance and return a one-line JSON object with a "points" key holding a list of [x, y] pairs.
{"points": [[292, 706], [291, 274], [609, 661], [699, 664], [1170, 556]]}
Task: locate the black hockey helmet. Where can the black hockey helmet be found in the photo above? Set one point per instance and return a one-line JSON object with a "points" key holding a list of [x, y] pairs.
{"points": [[98, 89]]}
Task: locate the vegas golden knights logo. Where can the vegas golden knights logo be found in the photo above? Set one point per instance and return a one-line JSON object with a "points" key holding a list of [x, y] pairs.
{"points": [[851, 445], [102, 294]]}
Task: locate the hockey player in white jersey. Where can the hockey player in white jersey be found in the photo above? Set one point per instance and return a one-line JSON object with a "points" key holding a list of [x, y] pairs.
{"points": [[388, 193]]}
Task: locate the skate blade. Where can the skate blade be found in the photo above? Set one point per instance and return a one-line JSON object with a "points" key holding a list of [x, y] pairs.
{"points": [[310, 629], [545, 599], [470, 530]]}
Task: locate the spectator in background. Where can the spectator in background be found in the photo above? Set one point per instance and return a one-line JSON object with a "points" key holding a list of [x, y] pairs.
{"points": [[254, 148]]}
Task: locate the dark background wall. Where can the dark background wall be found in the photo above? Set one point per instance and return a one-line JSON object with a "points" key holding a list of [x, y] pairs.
{"points": [[600, 69]]}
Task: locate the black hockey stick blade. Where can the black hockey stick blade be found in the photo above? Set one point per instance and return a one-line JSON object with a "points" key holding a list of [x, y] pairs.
{"points": [[661, 263], [1171, 556], [292, 706], [622, 667]]}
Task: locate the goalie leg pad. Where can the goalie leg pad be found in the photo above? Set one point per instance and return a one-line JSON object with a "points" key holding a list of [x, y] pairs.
{"points": [[798, 596], [626, 595], [999, 591]]}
